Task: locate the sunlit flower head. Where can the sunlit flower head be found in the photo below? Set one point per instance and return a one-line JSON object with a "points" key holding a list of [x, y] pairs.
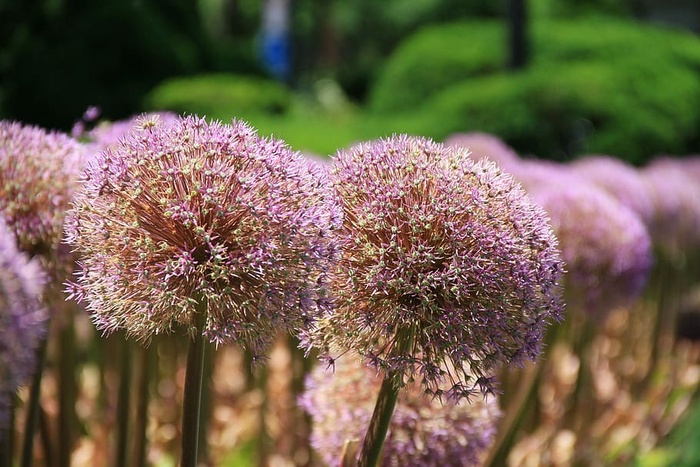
{"points": [[605, 245], [446, 263], [618, 178], [485, 146], [191, 212], [23, 321], [423, 430], [39, 172]]}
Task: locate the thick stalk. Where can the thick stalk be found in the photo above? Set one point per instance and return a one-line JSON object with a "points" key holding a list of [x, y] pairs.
{"points": [[193, 390], [123, 403], [142, 399], [7, 439], [66, 388], [379, 423], [32, 414]]}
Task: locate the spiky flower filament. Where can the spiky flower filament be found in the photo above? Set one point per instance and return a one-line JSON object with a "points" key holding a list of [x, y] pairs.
{"points": [[446, 264], [190, 209]]}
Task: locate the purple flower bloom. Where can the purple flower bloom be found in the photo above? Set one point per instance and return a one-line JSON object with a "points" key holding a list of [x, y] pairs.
{"points": [[605, 245], [675, 193], [23, 321], [39, 172], [620, 179], [109, 134], [191, 211], [423, 430], [485, 146], [446, 264]]}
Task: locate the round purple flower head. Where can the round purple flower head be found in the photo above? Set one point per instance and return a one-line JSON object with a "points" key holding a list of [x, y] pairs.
{"points": [[446, 264], [423, 431], [192, 212], [485, 146], [23, 321], [39, 172], [618, 178], [675, 193], [605, 245]]}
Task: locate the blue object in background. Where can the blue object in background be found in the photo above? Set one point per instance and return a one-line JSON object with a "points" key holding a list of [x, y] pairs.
{"points": [[274, 39]]}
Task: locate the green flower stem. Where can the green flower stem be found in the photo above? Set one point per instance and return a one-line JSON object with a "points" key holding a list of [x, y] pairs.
{"points": [[7, 439], [123, 402], [32, 414], [379, 423], [144, 356], [193, 390], [66, 387]]}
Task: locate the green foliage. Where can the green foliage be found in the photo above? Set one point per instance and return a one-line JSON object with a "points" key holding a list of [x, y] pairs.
{"points": [[220, 96], [59, 58], [437, 57], [594, 86]]}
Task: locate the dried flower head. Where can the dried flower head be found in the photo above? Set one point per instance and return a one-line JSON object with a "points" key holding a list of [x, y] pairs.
{"points": [[23, 321], [605, 245], [446, 264], [39, 172], [191, 212], [485, 146], [423, 430], [618, 178]]}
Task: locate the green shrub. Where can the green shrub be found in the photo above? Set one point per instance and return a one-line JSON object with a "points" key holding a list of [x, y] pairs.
{"points": [[220, 96], [604, 86], [435, 58]]}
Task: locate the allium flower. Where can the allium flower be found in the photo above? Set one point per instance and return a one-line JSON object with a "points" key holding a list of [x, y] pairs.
{"points": [[423, 430], [533, 173], [675, 193], [620, 179], [39, 172], [192, 211], [446, 264], [605, 245], [485, 146], [109, 134], [23, 321]]}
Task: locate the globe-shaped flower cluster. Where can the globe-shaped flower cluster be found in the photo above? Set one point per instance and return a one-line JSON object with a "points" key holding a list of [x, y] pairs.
{"points": [[423, 431], [485, 146], [189, 214], [23, 320], [674, 189], [619, 179], [448, 269], [605, 245], [39, 173]]}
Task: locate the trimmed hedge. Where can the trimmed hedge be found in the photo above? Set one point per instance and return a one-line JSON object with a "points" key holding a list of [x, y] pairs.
{"points": [[216, 95], [603, 86], [436, 57]]}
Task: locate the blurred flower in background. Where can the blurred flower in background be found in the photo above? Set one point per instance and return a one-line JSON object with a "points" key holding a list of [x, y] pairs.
{"points": [[39, 173], [423, 432], [605, 245], [23, 319]]}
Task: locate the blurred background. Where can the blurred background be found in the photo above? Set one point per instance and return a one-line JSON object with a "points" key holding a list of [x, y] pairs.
{"points": [[553, 79]]}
